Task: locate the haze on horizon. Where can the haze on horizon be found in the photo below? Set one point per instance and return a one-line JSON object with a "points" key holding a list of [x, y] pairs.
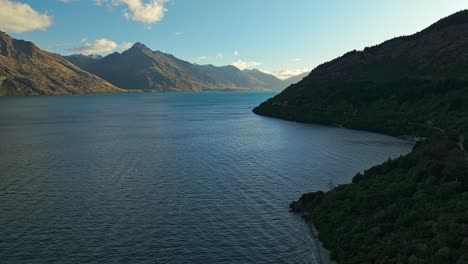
{"points": [[284, 38]]}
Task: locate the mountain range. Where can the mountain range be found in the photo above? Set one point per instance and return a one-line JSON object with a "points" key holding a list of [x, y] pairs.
{"points": [[140, 68], [27, 70]]}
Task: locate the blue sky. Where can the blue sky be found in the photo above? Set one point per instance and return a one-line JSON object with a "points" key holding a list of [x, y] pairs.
{"points": [[278, 36]]}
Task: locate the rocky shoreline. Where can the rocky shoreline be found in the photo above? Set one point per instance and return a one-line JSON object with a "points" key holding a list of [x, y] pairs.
{"points": [[323, 255]]}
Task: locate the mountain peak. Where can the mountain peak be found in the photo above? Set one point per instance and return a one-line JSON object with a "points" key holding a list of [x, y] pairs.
{"points": [[139, 46], [16, 47]]}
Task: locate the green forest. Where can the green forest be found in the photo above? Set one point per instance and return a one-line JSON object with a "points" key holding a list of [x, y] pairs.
{"points": [[413, 209]]}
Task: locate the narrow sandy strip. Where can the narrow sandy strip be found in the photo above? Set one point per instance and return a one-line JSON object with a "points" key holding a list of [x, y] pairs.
{"points": [[322, 253]]}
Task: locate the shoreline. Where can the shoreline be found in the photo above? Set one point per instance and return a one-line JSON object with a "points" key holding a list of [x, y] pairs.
{"points": [[323, 254]]}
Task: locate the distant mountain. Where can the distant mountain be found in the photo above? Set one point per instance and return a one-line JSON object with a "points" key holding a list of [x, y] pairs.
{"points": [[247, 79], [81, 60], [267, 80], [140, 68], [27, 70], [295, 79], [230, 76]]}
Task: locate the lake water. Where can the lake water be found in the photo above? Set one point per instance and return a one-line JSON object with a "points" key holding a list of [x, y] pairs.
{"points": [[165, 178]]}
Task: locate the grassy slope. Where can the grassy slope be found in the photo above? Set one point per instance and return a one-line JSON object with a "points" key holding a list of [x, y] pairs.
{"points": [[27, 70]]}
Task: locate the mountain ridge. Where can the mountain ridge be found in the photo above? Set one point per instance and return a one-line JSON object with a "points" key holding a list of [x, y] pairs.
{"points": [[27, 70], [436, 54], [140, 68], [81, 60]]}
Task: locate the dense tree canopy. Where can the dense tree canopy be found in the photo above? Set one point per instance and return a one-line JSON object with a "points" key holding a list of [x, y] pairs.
{"points": [[413, 209]]}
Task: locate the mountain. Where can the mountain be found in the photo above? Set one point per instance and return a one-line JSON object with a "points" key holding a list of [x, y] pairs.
{"points": [[249, 79], [140, 68], [81, 60], [295, 79], [267, 80], [27, 70], [230, 75], [366, 89], [411, 209]]}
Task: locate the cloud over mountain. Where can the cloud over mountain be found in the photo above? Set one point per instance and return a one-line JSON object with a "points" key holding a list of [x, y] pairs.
{"points": [[102, 45], [242, 65]]}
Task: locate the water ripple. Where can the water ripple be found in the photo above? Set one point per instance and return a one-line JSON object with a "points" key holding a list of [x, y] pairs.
{"points": [[165, 178]]}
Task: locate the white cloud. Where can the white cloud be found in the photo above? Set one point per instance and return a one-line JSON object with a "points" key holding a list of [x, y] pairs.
{"points": [[201, 58], [219, 56], [236, 53], [125, 45], [18, 17], [98, 46], [287, 73], [65, 1], [102, 45], [297, 59], [245, 64], [146, 11], [179, 33]]}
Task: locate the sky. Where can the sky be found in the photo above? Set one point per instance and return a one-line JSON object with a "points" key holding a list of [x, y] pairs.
{"points": [[282, 37]]}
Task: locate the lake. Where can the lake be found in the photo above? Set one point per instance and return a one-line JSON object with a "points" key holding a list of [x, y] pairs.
{"points": [[165, 178]]}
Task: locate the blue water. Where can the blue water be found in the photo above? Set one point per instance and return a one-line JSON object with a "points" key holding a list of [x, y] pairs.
{"points": [[165, 178]]}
